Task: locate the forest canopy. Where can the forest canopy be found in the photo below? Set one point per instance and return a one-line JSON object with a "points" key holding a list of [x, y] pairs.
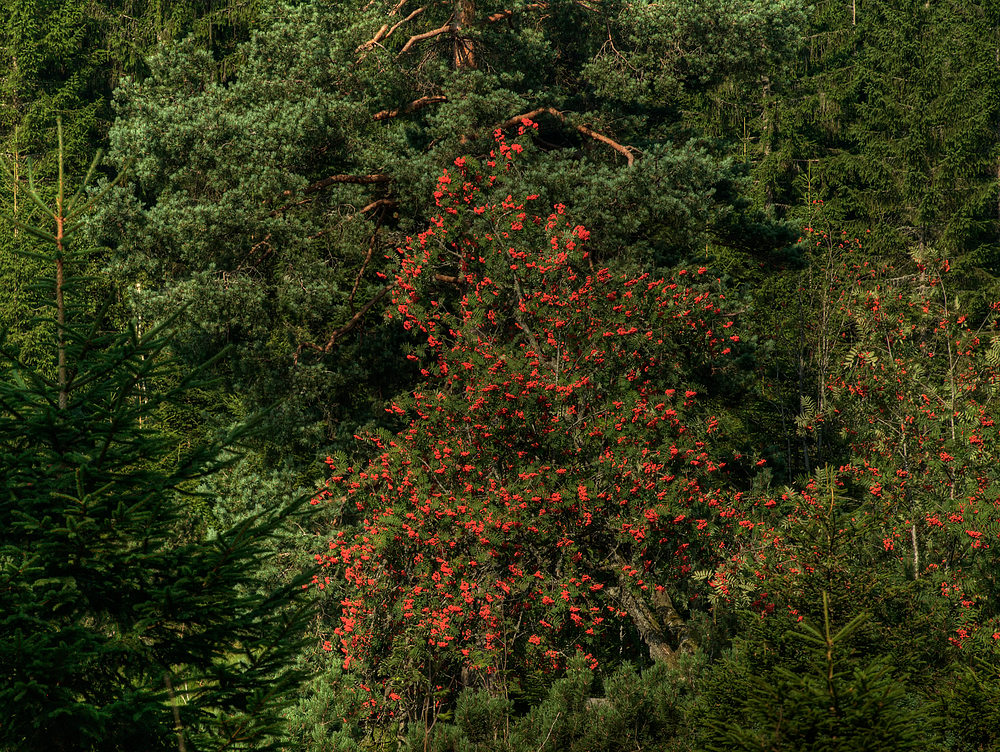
{"points": [[480, 375]]}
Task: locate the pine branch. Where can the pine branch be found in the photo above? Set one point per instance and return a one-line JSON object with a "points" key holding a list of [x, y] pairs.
{"points": [[416, 104], [352, 179], [501, 15], [364, 265], [351, 324], [417, 38], [387, 31], [373, 179]]}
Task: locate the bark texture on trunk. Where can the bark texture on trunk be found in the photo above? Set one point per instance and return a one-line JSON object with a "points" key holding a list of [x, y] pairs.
{"points": [[660, 626]]}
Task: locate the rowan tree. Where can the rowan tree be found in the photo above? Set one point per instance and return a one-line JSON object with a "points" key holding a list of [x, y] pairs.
{"points": [[557, 480], [915, 393]]}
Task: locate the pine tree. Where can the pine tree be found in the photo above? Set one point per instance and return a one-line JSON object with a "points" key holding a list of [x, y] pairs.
{"points": [[891, 119], [339, 118], [122, 627], [638, 711]]}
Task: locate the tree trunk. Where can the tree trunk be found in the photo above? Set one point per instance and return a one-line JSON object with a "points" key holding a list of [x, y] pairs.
{"points": [[464, 54], [657, 624]]}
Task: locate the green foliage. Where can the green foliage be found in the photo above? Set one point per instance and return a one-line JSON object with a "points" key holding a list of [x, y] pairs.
{"points": [[969, 704], [325, 718], [50, 64], [123, 627], [638, 711], [283, 153], [269, 200], [63, 58], [891, 119], [213, 224], [832, 704]]}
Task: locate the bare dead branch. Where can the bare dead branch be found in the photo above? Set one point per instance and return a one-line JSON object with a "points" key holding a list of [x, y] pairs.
{"points": [[499, 16], [364, 265], [417, 38], [507, 13], [406, 109], [625, 151], [516, 120], [410, 17], [367, 208], [376, 204], [332, 180], [379, 36], [286, 207], [371, 244], [387, 31]]}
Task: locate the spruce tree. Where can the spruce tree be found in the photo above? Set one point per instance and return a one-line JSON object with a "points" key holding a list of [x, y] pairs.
{"points": [[50, 57], [123, 627], [837, 704]]}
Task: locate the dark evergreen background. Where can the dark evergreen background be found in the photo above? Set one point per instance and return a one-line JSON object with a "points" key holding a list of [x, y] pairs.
{"points": [[277, 155]]}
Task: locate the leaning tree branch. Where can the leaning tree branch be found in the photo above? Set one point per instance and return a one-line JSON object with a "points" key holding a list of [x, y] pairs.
{"points": [[333, 180], [286, 207], [507, 13], [406, 109], [626, 151], [376, 204], [399, 23], [367, 208], [351, 324], [364, 265], [379, 36], [371, 244]]}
